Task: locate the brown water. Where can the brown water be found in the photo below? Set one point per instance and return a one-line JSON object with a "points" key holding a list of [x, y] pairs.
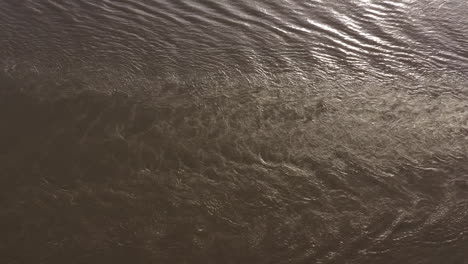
{"points": [[200, 131]]}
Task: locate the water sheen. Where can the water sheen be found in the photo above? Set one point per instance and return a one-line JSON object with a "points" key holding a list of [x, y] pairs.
{"points": [[202, 131]]}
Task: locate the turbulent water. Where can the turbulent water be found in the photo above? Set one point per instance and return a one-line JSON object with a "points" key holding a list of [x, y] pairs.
{"points": [[203, 131]]}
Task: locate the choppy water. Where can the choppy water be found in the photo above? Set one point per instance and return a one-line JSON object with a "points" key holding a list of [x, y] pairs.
{"points": [[202, 131]]}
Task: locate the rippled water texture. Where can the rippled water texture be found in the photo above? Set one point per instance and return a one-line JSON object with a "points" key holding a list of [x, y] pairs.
{"points": [[202, 131]]}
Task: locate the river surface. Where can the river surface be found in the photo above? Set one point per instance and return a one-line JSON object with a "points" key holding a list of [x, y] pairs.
{"points": [[234, 131]]}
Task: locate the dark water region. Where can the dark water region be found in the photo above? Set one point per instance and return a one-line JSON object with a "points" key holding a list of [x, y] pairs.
{"points": [[200, 131]]}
